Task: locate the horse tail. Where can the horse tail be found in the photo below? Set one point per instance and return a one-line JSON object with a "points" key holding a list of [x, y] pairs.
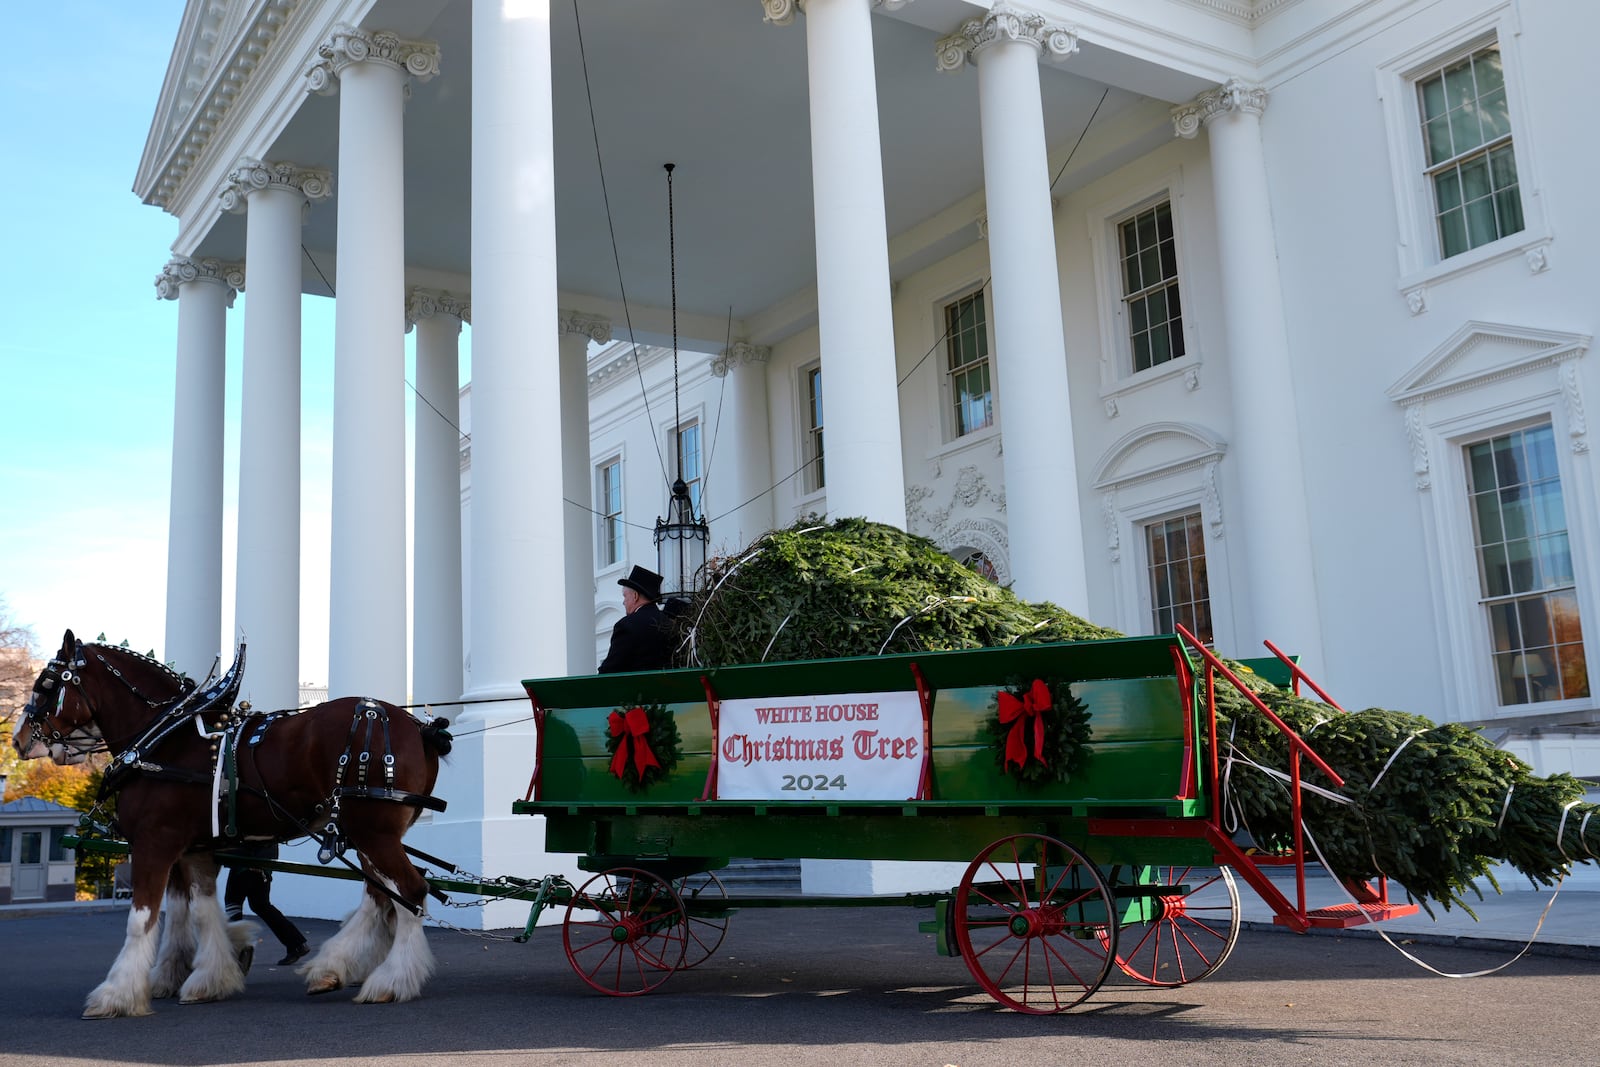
{"points": [[436, 735]]}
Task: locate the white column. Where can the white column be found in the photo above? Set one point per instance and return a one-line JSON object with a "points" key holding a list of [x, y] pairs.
{"points": [[517, 580], [854, 315], [367, 570], [204, 290], [577, 480], [436, 664], [1043, 513], [1273, 518], [267, 597], [747, 444]]}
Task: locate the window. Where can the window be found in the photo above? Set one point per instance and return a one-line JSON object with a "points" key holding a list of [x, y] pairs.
{"points": [[1466, 137], [1179, 591], [686, 443], [1525, 567], [58, 846], [1150, 287], [816, 476], [613, 537], [979, 561], [967, 342]]}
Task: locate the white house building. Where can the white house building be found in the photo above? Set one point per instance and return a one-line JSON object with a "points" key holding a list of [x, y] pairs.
{"points": [[1271, 317]]}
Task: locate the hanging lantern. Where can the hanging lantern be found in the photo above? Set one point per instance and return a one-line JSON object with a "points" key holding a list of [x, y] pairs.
{"points": [[681, 538], [681, 541]]}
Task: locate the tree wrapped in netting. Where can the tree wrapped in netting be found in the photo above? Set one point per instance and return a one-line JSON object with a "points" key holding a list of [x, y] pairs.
{"points": [[1432, 807]]}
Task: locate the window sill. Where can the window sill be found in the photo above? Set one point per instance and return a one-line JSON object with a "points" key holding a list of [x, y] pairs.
{"points": [[1187, 366], [989, 434], [609, 569], [1529, 244]]}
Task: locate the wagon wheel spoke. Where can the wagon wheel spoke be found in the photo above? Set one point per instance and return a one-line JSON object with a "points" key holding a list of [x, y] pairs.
{"points": [[1191, 928], [705, 904], [637, 941], [1041, 938]]}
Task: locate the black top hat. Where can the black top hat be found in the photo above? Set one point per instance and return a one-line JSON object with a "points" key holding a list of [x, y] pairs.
{"points": [[644, 582]]}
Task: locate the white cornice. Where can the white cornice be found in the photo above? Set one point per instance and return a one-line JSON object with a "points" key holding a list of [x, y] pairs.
{"points": [[1250, 13]]}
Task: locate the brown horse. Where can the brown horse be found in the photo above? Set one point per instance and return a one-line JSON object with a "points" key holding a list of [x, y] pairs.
{"points": [[191, 776]]}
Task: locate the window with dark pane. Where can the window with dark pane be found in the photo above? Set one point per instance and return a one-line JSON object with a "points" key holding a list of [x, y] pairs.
{"points": [[1150, 287], [686, 443], [815, 475], [1179, 590], [613, 544], [1466, 138], [967, 342], [1525, 569]]}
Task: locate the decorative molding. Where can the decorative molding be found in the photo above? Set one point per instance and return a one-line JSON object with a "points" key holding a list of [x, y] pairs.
{"points": [[181, 270], [738, 354], [1170, 447], [1003, 23], [596, 328], [426, 303], [1191, 379], [1483, 352], [254, 175], [1234, 95], [1108, 512], [1577, 426], [197, 111], [782, 12], [1538, 259], [1421, 464], [984, 535], [1213, 499], [1111, 407], [970, 490], [1417, 299], [348, 44]]}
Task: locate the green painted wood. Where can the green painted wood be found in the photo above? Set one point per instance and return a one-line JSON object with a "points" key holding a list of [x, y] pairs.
{"points": [[1272, 669]]}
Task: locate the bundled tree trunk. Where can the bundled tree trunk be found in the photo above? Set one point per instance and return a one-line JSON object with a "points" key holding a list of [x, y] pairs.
{"points": [[1432, 807]]}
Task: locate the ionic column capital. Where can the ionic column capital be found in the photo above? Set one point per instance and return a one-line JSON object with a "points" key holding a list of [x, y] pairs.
{"points": [[1234, 95], [254, 175], [782, 12], [426, 303], [1000, 24], [738, 354], [348, 45], [180, 270], [596, 328]]}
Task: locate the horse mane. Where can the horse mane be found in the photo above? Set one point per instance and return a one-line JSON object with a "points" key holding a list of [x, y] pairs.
{"points": [[182, 683]]}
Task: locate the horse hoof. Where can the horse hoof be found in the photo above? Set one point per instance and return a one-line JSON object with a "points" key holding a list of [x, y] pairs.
{"points": [[327, 983], [108, 1013]]}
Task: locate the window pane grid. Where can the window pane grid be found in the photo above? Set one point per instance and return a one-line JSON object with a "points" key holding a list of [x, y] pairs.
{"points": [[1466, 137], [687, 445], [612, 544], [1179, 589], [1150, 287], [967, 342], [1525, 568], [816, 476]]}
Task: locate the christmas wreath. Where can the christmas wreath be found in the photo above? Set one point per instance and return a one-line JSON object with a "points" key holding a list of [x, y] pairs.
{"points": [[1039, 732], [644, 744]]}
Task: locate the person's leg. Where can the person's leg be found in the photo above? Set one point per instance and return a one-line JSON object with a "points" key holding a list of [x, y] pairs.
{"points": [[294, 942], [236, 889]]}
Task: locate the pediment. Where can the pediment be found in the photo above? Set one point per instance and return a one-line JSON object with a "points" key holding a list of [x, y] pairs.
{"points": [[1481, 352], [1157, 449]]}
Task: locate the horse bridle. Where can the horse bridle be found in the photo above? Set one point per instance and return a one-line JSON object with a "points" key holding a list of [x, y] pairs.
{"points": [[39, 713]]}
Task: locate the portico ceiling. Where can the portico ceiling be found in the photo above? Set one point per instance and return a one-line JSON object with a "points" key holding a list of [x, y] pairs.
{"points": [[710, 86]]}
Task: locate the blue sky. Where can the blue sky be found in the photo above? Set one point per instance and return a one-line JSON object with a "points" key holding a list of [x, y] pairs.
{"points": [[87, 356]]}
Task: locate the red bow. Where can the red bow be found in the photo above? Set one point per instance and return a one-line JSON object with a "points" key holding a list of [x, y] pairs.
{"points": [[1017, 712], [632, 731]]}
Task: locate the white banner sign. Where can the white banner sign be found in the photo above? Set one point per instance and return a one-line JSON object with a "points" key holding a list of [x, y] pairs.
{"points": [[853, 746]]}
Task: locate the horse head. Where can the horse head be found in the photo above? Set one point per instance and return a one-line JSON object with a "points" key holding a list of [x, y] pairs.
{"points": [[87, 691]]}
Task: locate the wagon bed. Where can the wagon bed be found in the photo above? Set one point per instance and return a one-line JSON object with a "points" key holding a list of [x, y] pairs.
{"points": [[1129, 849]]}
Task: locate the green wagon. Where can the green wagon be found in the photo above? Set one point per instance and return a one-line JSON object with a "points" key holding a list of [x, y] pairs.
{"points": [[910, 757]]}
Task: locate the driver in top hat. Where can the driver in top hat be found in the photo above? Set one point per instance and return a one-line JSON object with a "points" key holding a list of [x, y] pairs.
{"points": [[642, 639]]}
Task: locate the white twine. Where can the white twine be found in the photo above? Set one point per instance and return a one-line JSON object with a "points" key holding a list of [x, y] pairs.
{"points": [[1561, 829], [1583, 832], [1392, 756], [1505, 807]]}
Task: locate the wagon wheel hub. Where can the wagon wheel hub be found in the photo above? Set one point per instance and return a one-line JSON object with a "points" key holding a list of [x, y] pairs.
{"points": [[1035, 922], [626, 929]]}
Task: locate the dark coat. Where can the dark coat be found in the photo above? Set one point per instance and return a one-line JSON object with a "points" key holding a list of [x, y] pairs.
{"points": [[641, 641]]}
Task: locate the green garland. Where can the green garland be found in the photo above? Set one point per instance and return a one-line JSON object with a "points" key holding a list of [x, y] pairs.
{"points": [[643, 743], [1039, 731]]}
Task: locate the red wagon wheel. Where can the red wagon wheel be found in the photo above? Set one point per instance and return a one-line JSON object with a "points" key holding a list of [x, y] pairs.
{"points": [[1193, 926], [705, 903], [625, 932], [1034, 921]]}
